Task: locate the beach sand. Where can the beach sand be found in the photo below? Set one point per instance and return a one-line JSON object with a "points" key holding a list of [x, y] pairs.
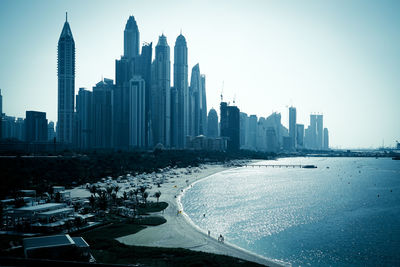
{"points": [[179, 232]]}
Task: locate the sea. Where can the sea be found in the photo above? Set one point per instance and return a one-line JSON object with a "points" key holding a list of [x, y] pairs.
{"points": [[345, 212]]}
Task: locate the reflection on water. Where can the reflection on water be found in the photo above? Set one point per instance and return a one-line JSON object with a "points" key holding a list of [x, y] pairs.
{"points": [[345, 212]]}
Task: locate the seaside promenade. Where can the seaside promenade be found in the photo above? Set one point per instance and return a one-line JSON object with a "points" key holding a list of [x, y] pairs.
{"points": [[178, 232]]}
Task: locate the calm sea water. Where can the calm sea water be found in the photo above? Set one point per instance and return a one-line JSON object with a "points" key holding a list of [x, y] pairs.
{"points": [[344, 213]]}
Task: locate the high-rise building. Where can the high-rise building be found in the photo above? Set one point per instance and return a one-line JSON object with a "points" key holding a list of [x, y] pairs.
{"points": [[212, 127], [292, 126], [130, 64], [137, 113], [161, 93], [194, 101], [272, 144], [182, 90], [230, 125], [102, 114], [252, 132], [84, 119], [145, 72], [203, 106], [326, 139], [320, 132], [174, 117], [131, 38], [244, 120], [50, 131], [312, 132], [299, 135], [1, 114], [66, 84], [35, 126]]}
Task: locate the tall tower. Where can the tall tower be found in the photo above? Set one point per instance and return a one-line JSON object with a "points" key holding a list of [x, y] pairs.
{"points": [[195, 101], [292, 127], [161, 93], [66, 83], [131, 38], [181, 87]]}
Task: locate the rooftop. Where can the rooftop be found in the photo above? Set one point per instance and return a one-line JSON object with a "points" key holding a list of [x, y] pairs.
{"points": [[47, 241]]}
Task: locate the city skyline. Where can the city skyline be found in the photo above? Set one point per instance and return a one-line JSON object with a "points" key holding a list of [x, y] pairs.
{"points": [[371, 129]]}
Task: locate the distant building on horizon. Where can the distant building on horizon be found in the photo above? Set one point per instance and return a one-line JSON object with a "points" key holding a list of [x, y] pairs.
{"points": [[50, 131], [66, 84], [292, 126], [212, 127], [35, 126], [102, 131], [326, 139], [84, 119], [230, 125], [300, 135]]}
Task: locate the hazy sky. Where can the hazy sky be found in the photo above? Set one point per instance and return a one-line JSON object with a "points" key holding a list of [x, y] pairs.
{"points": [[339, 58]]}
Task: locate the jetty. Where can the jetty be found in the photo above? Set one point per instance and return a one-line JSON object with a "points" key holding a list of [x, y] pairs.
{"points": [[281, 166]]}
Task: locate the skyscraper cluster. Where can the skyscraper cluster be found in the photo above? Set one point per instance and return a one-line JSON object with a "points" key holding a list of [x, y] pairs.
{"points": [[141, 109], [268, 134], [144, 109]]}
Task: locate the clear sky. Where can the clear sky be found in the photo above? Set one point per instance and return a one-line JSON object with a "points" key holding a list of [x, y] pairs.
{"points": [[340, 57]]}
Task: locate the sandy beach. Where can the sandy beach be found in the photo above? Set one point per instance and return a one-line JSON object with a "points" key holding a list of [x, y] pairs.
{"points": [[179, 231]]}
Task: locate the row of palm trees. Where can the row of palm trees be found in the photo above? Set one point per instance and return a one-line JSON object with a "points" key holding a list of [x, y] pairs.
{"points": [[110, 194]]}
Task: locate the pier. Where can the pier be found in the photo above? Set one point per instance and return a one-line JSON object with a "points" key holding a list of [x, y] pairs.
{"points": [[281, 166]]}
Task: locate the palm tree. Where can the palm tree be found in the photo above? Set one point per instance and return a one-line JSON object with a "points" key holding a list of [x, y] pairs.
{"points": [[109, 190], [145, 196], [93, 190], [142, 190], [131, 193], [136, 192], [102, 200], [157, 195], [92, 201], [116, 189]]}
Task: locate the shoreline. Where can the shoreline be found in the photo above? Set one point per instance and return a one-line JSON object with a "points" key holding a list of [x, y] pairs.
{"points": [[180, 232]]}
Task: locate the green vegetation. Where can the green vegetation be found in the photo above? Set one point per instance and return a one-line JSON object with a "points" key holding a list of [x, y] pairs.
{"points": [[106, 249], [152, 207], [40, 173], [111, 251]]}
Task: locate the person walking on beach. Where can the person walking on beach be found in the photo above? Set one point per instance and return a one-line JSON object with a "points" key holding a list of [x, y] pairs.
{"points": [[209, 233]]}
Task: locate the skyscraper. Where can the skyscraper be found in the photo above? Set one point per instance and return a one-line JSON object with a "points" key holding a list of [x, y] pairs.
{"points": [[137, 116], [244, 121], [252, 132], [50, 131], [292, 126], [66, 83], [230, 125], [102, 114], [326, 139], [194, 101], [145, 72], [125, 68], [84, 119], [300, 135], [131, 38], [212, 129], [203, 106], [1, 114], [161, 93], [35, 126], [320, 132], [182, 90]]}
